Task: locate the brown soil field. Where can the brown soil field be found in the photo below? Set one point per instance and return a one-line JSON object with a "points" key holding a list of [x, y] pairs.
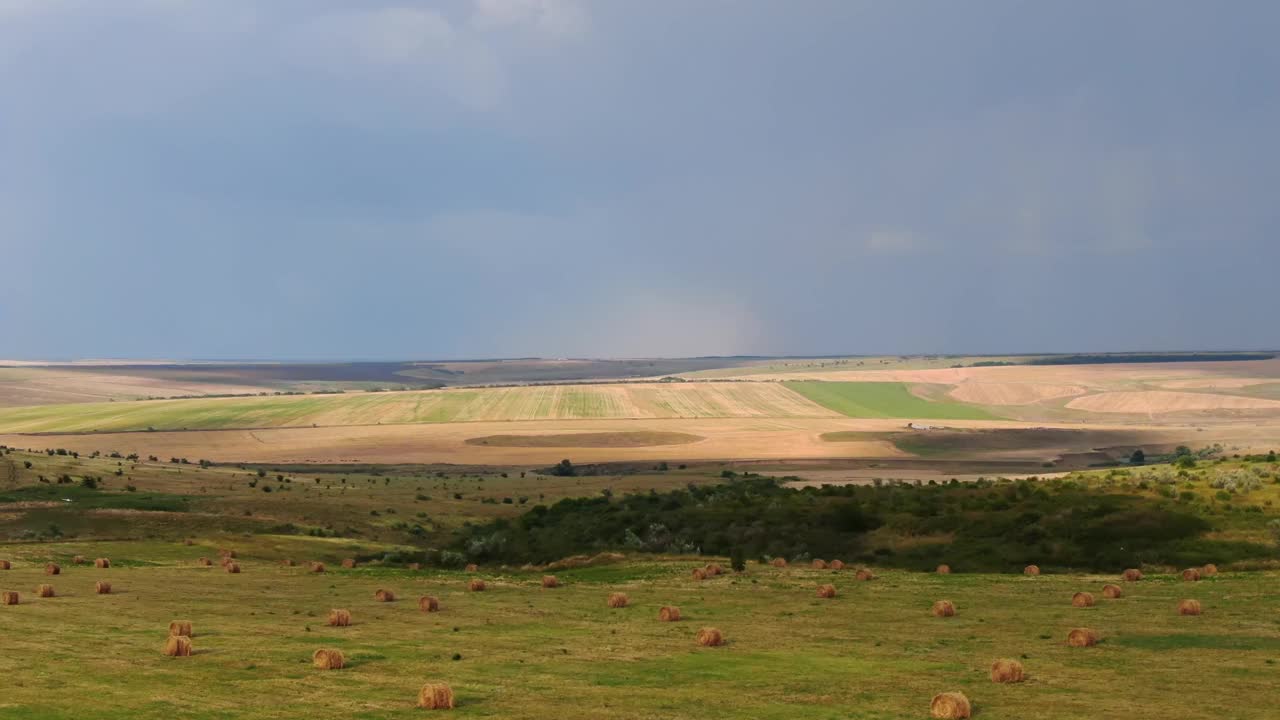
{"points": [[1156, 402], [587, 440]]}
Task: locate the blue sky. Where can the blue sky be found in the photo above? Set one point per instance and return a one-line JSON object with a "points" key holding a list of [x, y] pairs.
{"points": [[312, 179]]}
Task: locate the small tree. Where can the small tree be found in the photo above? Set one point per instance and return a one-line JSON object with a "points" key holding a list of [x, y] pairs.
{"points": [[737, 560], [1138, 457]]}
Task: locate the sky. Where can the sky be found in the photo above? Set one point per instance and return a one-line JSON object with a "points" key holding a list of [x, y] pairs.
{"points": [[319, 180]]}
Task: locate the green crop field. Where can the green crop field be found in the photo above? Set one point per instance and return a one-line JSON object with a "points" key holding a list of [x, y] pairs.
{"points": [[883, 400]]}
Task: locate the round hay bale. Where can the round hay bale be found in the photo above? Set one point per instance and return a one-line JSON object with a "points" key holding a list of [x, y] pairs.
{"points": [[826, 591], [950, 706], [78, 560], [836, 565], [102, 563], [102, 587], [710, 637], [384, 595], [818, 564], [1209, 570], [1082, 637], [1082, 600], [177, 646], [1132, 575], [713, 570], [865, 574], [1189, 607], [1112, 591], [778, 562], [944, 608], [349, 563], [52, 569], [1032, 570], [472, 567], [1191, 575], [233, 567], [699, 574], [476, 585], [428, 603], [669, 613], [9, 597], [944, 569], [618, 600], [5, 565], [317, 567], [181, 627], [415, 566], [1006, 671], [204, 562], [44, 591], [339, 618], [550, 581], [225, 561], [435, 696], [328, 659], [288, 562]]}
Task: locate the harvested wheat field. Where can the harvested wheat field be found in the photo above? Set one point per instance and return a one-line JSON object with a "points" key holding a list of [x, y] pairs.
{"points": [[260, 631]]}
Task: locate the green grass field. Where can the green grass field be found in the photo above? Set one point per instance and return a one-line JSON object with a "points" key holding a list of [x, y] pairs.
{"points": [[518, 650], [883, 400]]}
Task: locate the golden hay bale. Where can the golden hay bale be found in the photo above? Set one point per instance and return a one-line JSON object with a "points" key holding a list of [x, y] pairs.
{"points": [[233, 567], [435, 696], [44, 591], [779, 562], [1082, 637], [826, 591], [428, 603], [710, 637], [339, 618], [1082, 600], [618, 600], [384, 595], [836, 565], [818, 564], [865, 574], [205, 562], [328, 659], [1132, 575], [669, 613], [1209, 570], [1191, 575], [415, 566], [102, 587], [476, 585], [944, 569], [288, 562], [52, 569], [699, 574], [102, 563], [177, 646], [1189, 607], [713, 569], [181, 627], [944, 608], [78, 560], [550, 581], [950, 706], [1031, 570], [349, 563], [5, 565], [1006, 671], [225, 561], [8, 598], [472, 567], [317, 567], [1112, 591]]}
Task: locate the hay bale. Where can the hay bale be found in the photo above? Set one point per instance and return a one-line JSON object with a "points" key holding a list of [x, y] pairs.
{"points": [[181, 627], [435, 696], [1032, 570], [710, 637], [818, 564], [699, 574], [1189, 607], [713, 569], [78, 560], [415, 566], [177, 646], [233, 567], [384, 595], [1209, 570], [778, 562], [669, 613], [288, 562], [865, 574], [205, 562], [428, 603], [102, 563], [5, 565], [1082, 600], [349, 563], [1191, 575], [618, 600], [826, 591], [52, 569], [9, 597], [476, 585], [328, 659], [339, 618], [228, 554], [1112, 591], [472, 567], [44, 591], [1132, 575], [836, 565], [944, 608], [102, 587], [317, 567], [950, 706], [550, 581], [188, 542], [1006, 671], [944, 569], [1082, 637]]}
